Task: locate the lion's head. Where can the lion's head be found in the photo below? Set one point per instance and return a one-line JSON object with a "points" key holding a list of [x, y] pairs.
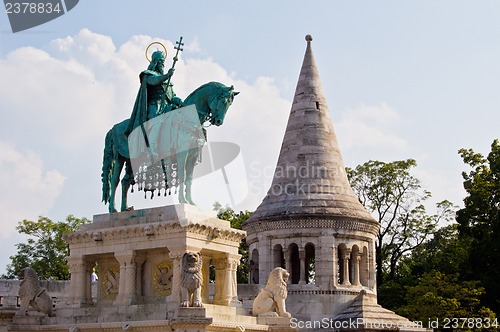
{"points": [[276, 283], [191, 262], [29, 282], [27, 273]]}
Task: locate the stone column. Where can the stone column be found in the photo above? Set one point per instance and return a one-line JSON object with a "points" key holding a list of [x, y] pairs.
{"points": [[325, 263], [226, 292], [127, 289], [345, 267], [176, 257], [88, 269], [80, 282], [372, 269], [205, 291], [302, 272], [139, 262], [334, 280], [356, 260]]}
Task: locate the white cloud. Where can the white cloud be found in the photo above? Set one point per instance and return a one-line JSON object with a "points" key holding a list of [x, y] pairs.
{"points": [[29, 190], [193, 46], [370, 127], [87, 47]]}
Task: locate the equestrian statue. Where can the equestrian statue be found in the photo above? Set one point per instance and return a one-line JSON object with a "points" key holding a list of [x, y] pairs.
{"points": [[161, 142]]}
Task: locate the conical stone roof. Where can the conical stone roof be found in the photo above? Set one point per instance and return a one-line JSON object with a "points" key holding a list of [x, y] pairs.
{"points": [[310, 180]]}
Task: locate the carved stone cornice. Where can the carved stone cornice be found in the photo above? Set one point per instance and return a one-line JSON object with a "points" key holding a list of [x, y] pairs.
{"points": [[297, 224], [154, 229]]}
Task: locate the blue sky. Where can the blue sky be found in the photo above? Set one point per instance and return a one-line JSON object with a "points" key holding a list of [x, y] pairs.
{"points": [[412, 79]]}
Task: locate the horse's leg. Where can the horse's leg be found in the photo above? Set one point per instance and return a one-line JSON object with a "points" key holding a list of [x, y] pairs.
{"points": [[127, 181], [115, 179], [166, 167], [181, 174], [192, 157]]}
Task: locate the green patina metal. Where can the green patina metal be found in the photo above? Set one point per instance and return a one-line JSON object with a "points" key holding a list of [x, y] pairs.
{"points": [[161, 142]]}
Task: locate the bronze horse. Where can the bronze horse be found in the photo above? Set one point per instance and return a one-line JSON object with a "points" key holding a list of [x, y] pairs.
{"points": [[180, 141]]}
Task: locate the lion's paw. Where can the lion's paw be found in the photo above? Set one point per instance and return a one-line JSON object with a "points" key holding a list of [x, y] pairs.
{"points": [[197, 304], [271, 314], [184, 304]]}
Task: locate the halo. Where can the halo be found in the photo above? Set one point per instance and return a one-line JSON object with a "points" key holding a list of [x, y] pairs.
{"points": [[147, 48]]}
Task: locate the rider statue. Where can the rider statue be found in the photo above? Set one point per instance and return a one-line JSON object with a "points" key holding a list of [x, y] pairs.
{"points": [[155, 97]]}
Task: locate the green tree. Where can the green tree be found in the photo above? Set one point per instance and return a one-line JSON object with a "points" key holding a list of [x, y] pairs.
{"points": [[431, 284], [237, 220], [396, 199], [444, 252], [440, 296], [479, 220], [45, 249]]}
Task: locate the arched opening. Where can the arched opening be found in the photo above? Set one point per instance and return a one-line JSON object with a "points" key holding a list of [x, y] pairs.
{"points": [[310, 264], [343, 266], [294, 271], [364, 268], [253, 267], [354, 265], [278, 256]]}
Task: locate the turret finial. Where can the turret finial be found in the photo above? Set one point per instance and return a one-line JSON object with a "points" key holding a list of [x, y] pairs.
{"points": [[309, 38]]}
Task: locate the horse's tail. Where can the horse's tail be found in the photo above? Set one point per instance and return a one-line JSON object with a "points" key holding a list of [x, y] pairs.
{"points": [[107, 166]]}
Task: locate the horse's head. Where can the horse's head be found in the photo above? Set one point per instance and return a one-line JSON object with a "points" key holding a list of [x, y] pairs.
{"points": [[220, 103]]}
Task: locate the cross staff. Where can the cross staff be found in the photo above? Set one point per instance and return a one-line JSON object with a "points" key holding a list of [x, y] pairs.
{"points": [[178, 48]]}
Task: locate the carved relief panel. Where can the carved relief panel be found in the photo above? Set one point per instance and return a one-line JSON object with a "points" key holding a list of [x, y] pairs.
{"points": [[109, 279], [162, 274]]}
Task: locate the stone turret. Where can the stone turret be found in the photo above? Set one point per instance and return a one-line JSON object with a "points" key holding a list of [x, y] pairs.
{"points": [[310, 180], [311, 222]]}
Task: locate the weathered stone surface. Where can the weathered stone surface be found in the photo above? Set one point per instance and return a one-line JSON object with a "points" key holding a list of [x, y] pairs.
{"points": [[363, 313], [138, 258], [310, 178], [311, 222], [277, 323], [311, 214]]}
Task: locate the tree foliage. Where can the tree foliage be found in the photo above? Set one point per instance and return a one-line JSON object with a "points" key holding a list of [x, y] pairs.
{"points": [[431, 284], [444, 252], [237, 220], [396, 199], [455, 272], [479, 220], [440, 296], [45, 249]]}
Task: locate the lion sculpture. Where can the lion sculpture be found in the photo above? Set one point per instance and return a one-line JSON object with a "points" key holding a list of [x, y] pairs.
{"points": [[270, 302], [191, 280], [31, 294]]}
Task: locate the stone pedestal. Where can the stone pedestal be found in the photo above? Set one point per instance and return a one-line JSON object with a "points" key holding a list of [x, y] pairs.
{"points": [[32, 319], [276, 323], [138, 254], [191, 320]]}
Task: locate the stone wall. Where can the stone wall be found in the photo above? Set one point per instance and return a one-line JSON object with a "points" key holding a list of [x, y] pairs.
{"points": [[58, 290]]}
